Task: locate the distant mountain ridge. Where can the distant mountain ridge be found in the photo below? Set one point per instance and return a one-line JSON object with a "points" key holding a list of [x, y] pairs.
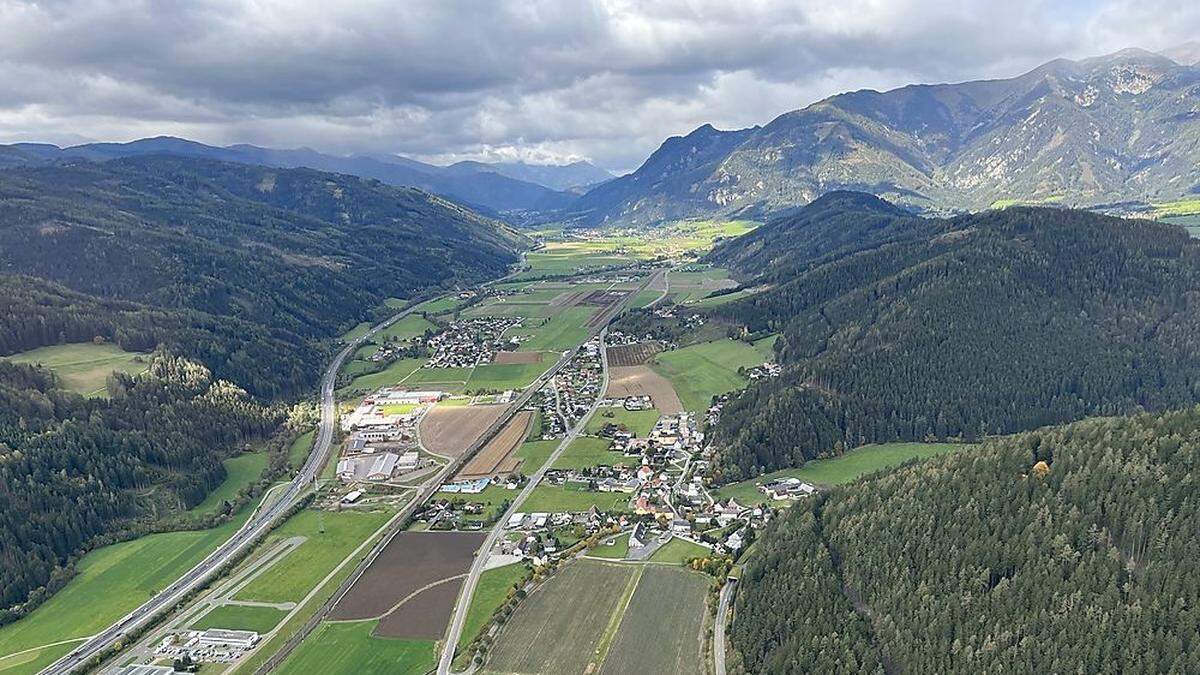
{"points": [[494, 189], [1117, 128]]}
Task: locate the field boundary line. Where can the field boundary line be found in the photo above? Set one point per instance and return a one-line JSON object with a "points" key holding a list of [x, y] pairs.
{"points": [[618, 617], [46, 646], [403, 600]]}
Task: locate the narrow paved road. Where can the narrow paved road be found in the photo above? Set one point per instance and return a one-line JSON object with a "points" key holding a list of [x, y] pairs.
{"points": [[259, 524], [453, 633], [719, 628]]}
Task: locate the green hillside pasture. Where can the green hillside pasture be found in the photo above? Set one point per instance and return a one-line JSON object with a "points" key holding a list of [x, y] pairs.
{"points": [[707, 369], [240, 471], [584, 604], [586, 451], [84, 367], [504, 376], [299, 450], [110, 582], [638, 422], [409, 326], [677, 551], [661, 631], [294, 575], [839, 470], [240, 617], [349, 648], [491, 591], [552, 498], [563, 331]]}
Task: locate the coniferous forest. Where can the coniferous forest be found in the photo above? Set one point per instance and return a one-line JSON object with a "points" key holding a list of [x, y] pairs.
{"points": [[1066, 549], [237, 277], [902, 328]]}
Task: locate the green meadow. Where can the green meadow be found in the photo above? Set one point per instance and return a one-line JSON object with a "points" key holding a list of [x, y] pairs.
{"points": [[709, 369], [84, 367], [349, 648], [240, 471], [240, 617], [491, 591], [839, 470]]}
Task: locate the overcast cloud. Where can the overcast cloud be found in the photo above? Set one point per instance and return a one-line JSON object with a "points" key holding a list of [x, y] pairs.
{"points": [[543, 81]]}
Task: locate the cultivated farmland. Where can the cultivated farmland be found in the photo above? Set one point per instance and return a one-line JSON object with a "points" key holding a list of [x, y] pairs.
{"points": [[422, 616], [561, 627], [661, 631], [709, 369], [410, 562], [450, 430], [633, 355], [498, 455], [642, 381]]}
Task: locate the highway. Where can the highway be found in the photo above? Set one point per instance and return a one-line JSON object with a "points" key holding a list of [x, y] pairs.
{"points": [[254, 528]]}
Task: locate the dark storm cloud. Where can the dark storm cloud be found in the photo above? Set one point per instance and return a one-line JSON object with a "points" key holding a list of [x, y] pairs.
{"points": [[544, 80]]}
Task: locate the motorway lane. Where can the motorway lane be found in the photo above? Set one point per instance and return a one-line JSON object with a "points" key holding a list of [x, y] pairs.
{"points": [[477, 568], [258, 525]]}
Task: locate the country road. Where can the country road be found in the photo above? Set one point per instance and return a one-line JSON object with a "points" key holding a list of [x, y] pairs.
{"points": [[719, 626], [454, 631], [259, 524]]}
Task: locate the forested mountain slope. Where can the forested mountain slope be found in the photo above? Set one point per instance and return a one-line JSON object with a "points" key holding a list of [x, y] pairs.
{"points": [[1116, 128], [295, 253], [485, 188], [907, 328], [1067, 549], [237, 277]]}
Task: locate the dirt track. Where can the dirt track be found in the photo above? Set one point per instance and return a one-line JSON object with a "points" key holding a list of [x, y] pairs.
{"points": [[641, 380], [450, 430], [495, 456], [411, 561], [424, 615]]}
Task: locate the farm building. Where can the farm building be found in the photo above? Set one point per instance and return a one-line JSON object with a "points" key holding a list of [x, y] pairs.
{"points": [[378, 467]]}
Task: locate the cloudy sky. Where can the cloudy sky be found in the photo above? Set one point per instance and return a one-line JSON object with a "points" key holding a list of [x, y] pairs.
{"points": [[543, 81]]}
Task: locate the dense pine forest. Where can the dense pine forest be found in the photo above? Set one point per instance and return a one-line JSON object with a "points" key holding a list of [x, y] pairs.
{"points": [[237, 277], [1067, 549], [902, 328], [74, 469]]}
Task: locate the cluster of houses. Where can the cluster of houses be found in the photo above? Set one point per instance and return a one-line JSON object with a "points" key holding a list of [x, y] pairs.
{"points": [[765, 370], [786, 488], [578, 385], [470, 342]]}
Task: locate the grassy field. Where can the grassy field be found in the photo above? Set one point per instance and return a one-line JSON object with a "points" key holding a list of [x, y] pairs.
{"points": [[533, 454], [240, 471], [240, 617], [661, 630], [1181, 207], [844, 469], [395, 372], [110, 582], [587, 451], [550, 498], [618, 550], [678, 550], [717, 300], [84, 366], [566, 625], [493, 497], [356, 332], [439, 305], [708, 369], [490, 593], [561, 332], [644, 298], [639, 422], [330, 538], [298, 452], [504, 376], [406, 327], [565, 258], [349, 648]]}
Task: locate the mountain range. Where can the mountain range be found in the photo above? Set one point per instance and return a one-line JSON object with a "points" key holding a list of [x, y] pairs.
{"points": [[1118, 128], [504, 188]]}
